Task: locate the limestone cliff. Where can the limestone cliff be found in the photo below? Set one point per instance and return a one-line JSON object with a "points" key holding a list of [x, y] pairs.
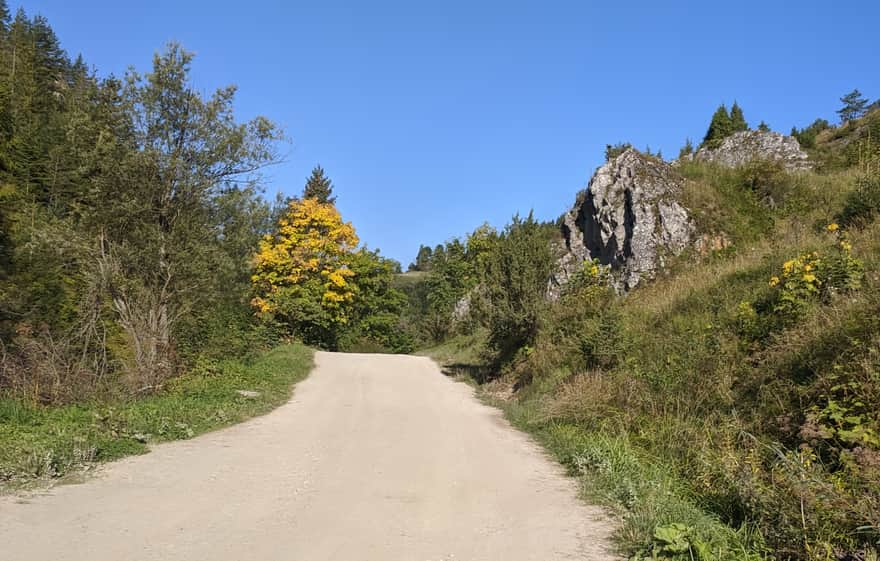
{"points": [[629, 218], [743, 147]]}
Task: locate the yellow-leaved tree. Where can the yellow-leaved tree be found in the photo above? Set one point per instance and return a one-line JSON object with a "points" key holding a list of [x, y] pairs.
{"points": [[302, 277]]}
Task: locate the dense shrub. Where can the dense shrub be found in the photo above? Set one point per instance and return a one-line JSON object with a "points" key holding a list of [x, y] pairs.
{"points": [[863, 204], [517, 274], [768, 180], [807, 135]]}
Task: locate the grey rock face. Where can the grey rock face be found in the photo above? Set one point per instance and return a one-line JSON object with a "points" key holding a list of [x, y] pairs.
{"points": [[629, 218], [462, 308], [744, 147]]}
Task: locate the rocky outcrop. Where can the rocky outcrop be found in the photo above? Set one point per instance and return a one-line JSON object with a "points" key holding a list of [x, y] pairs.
{"points": [[629, 218], [744, 147], [462, 307]]}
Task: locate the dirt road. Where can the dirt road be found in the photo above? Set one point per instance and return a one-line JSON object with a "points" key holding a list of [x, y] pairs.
{"points": [[375, 458]]}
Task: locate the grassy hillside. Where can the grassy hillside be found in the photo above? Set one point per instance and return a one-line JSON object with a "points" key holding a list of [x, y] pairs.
{"points": [[728, 409], [49, 442]]}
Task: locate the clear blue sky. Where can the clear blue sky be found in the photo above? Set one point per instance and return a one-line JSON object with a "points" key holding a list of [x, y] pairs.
{"points": [[432, 117]]}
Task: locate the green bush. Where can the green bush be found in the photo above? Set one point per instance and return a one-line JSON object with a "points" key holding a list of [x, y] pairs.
{"points": [[768, 180], [807, 136], [377, 333], [863, 204], [517, 273]]}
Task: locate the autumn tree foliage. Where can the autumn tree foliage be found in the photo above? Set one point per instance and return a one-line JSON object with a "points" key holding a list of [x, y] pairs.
{"points": [[302, 276]]}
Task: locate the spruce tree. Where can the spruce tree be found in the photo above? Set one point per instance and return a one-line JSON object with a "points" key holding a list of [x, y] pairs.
{"points": [[737, 119], [763, 127], [720, 127], [687, 149], [51, 60], [318, 186], [5, 79], [854, 105], [5, 17], [423, 259]]}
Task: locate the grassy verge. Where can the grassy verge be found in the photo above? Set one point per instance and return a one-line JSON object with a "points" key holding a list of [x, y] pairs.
{"points": [[461, 356], [645, 493], [49, 442], [613, 470]]}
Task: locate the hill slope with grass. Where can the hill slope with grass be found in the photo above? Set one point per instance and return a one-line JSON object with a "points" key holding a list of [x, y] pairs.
{"points": [[728, 408]]}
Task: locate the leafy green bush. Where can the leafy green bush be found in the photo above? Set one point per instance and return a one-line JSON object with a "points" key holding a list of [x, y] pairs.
{"points": [[807, 135], [863, 204], [516, 280], [377, 333], [768, 180], [582, 330]]}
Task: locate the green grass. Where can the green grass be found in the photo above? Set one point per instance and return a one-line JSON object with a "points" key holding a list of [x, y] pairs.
{"points": [[643, 491], [409, 278], [461, 356], [464, 349], [49, 442]]}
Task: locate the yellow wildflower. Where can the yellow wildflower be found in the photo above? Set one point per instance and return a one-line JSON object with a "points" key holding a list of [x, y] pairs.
{"points": [[810, 278], [846, 246], [832, 227], [774, 281]]}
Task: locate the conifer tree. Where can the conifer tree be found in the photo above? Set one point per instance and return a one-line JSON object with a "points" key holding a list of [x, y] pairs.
{"points": [[4, 17], [763, 127], [20, 47], [51, 60], [687, 149], [423, 259], [720, 127], [318, 186], [737, 119], [854, 105], [5, 79]]}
